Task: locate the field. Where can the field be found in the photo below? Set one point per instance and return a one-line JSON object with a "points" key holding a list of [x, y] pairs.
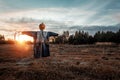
{"points": [[67, 62]]}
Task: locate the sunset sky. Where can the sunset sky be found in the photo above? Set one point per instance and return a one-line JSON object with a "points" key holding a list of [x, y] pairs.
{"points": [[58, 15]]}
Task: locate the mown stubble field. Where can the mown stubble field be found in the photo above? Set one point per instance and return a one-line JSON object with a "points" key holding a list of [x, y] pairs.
{"points": [[67, 62]]}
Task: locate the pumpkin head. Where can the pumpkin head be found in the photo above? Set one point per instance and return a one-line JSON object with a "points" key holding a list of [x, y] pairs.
{"points": [[42, 26]]}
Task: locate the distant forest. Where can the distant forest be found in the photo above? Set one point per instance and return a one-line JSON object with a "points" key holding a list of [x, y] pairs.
{"points": [[3, 41], [81, 37]]}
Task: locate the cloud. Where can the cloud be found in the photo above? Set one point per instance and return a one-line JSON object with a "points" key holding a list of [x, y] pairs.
{"points": [[86, 12], [72, 15], [117, 17], [75, 15]]}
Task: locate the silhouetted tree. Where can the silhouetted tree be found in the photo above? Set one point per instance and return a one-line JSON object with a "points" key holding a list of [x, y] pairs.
{"points": [[2, 38], [59, 40], [81, 37], [71, 39], [117, 36], [91, 40]]}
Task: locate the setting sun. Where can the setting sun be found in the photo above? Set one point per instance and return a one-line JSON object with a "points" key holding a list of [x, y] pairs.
{"points": [[23, 38]]}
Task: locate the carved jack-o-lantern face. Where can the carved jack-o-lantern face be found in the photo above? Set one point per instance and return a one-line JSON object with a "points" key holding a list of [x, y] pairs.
{"points": [[42, 26]]}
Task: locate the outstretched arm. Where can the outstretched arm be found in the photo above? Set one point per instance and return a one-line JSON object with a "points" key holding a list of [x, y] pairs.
{"points": [[52, 34], [29, 33]]}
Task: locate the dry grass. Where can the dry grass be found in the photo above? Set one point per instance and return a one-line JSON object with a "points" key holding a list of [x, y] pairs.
{"points": [[67, 62]]}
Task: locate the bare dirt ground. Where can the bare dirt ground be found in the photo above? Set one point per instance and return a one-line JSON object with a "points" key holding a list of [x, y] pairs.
{"points": [[67, 62]]}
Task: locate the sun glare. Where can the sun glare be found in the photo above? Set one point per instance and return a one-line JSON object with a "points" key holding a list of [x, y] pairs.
{"points": [[24, 38]]}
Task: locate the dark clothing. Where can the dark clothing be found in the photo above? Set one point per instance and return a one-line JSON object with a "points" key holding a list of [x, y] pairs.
{"points": [[41, 48]]}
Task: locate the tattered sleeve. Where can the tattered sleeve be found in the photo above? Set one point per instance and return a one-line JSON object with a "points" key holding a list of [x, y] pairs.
{"points": [[29, 33], [52, 34]]}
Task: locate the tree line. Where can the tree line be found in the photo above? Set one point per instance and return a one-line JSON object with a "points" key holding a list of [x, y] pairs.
{"points": [[81, 37]]}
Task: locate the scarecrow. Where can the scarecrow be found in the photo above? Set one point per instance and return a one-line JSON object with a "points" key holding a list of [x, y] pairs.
{"points": [[41, 41]]}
